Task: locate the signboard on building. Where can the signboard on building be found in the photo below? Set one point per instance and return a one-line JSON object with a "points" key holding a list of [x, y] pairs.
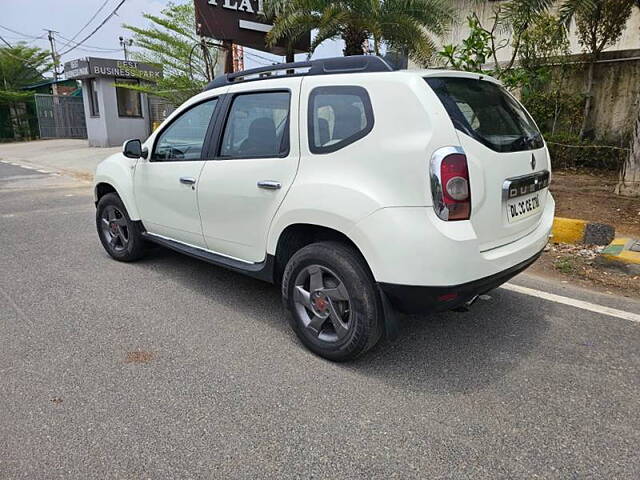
{"points": [[240, 22], [107, 67]]}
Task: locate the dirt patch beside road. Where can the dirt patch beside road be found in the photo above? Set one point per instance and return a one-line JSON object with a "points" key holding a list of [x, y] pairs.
{"points": [[588, 195], [578, 265]]}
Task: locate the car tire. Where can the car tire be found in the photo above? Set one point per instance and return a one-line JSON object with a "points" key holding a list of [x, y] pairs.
{"points": [[333, 303], [120, 236]]}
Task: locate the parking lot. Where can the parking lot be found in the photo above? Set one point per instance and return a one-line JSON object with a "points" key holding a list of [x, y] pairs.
{"points": [[173, 368]]}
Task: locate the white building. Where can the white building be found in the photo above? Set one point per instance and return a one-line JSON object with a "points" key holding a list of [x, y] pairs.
{"points": [[459, 30]]}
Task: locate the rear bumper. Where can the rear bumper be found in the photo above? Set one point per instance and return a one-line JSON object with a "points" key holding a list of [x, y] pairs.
{"points": [[421, 299]]}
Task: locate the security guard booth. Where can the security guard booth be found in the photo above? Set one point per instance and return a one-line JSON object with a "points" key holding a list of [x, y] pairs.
{"points": [[113, 114]]}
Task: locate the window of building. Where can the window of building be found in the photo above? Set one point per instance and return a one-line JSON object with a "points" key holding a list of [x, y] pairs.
{"points": [[184, 138], [257, 126], [338, 116], [129, 102], [94, 110]]}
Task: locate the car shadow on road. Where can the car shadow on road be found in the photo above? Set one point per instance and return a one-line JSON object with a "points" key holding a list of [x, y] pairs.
{"points": [[255, 299], [441, 353], [458, 352]]}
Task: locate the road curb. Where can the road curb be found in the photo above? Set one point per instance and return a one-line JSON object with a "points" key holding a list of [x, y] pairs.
{"points": [[623, 252], [572, 230]]}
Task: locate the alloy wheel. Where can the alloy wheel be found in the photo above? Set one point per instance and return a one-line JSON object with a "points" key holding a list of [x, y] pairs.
{"points": [[114, 228], [322, 303]]}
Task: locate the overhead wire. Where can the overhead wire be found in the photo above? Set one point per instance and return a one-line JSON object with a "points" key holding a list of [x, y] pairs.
{"points": [[115, 10], [104, 4], [25, 35], [6, 42], [258, 59], [87, 46], [270, 60]]}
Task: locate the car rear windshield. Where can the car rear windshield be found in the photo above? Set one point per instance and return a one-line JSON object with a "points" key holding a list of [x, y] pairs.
{"points": [[485, 111]]}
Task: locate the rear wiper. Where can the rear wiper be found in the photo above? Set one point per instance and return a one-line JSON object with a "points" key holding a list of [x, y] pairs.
{"points": [[526, 140]]}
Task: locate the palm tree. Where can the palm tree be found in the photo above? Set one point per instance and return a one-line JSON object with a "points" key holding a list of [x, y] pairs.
{"points": [[402, 25]]}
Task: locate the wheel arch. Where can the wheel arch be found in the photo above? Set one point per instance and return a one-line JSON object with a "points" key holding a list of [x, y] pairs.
{"points": [[101, 189], [113, 176], [298, 235]]}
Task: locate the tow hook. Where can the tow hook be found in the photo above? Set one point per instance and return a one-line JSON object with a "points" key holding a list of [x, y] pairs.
{"points": [[466, 305]]}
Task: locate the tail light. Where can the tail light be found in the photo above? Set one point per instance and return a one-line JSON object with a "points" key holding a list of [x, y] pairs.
{"points": [[450, 186]]}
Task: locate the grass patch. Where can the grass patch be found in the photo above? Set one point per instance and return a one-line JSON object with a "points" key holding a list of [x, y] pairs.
{"points": [[565, 265]]}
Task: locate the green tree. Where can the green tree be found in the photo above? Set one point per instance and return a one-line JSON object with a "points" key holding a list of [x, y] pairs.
{"points": [[516, 24], [20, 65], [535, 39], [542, 70], [599, 25], [473, 52], [629, 184], [516, 17], [401, 25], [279, 9], [169, 40]]}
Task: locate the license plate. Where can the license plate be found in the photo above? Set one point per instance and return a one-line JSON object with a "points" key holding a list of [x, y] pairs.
{"points": [[523, 207]]}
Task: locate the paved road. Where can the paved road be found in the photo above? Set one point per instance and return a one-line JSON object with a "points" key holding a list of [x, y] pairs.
{"points": [[172, 368], [72, 156]]}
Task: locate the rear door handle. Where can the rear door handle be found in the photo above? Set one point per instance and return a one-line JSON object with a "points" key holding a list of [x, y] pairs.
{"points": [[187, 180], [269, 184]]}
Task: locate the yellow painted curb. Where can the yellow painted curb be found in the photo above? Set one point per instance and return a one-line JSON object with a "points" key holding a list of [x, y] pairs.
{"points": [[568, 230], [629, 257], [620, 250]]}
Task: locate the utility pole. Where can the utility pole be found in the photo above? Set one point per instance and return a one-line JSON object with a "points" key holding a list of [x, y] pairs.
{"points": [[124, 43], [55, 58], [227, 46], [238, 57]]}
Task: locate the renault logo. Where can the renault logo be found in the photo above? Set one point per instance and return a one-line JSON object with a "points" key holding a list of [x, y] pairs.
{"points": [[533, 162]]}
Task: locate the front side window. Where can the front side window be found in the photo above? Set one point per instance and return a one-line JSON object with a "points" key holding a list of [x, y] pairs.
{"points": [[338, 116], [257, 126], [486, 112], [129, 103], [184, 138]]}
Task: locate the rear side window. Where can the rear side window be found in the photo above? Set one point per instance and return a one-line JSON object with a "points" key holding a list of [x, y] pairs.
{"points": [[338, 116], [257, 126], [486, 112]]}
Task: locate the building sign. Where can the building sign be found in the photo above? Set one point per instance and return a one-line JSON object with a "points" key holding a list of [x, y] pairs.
{"points": [[106, 67], [241, 22], [76, 69]]}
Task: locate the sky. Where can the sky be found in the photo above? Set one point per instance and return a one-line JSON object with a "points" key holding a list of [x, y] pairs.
{"points": [[30, 18]]}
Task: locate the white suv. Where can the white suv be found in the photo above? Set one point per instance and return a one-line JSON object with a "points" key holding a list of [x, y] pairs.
{"points": [[361, 190]]}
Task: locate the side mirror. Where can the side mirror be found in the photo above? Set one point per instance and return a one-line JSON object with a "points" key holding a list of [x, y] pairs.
{"points": [[132, 149]]}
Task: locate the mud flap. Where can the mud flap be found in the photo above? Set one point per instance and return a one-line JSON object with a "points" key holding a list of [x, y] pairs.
{"points": [[391, 324]]}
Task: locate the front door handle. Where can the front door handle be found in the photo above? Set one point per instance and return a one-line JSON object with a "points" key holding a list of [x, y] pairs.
{"points": [[269, 184], [187, 180]]}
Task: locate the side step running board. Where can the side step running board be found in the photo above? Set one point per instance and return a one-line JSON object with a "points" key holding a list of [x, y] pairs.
{"points": [[262, 270]]}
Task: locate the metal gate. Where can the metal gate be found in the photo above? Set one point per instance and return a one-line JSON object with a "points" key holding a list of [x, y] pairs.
{"points": [[159, 110], [60, 116]]}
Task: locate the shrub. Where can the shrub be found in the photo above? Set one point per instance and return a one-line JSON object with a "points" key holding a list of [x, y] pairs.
{"points": [[555, 111], [568, 151]]}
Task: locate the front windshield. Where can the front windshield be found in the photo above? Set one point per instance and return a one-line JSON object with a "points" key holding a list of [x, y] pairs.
{"points": [[485, 111]]}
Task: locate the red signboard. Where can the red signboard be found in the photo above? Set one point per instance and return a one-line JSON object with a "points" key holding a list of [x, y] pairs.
{"points": [[240, 22]]}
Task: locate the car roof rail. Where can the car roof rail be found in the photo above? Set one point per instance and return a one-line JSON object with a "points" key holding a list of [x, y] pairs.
{"points": [[323, 66]]}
